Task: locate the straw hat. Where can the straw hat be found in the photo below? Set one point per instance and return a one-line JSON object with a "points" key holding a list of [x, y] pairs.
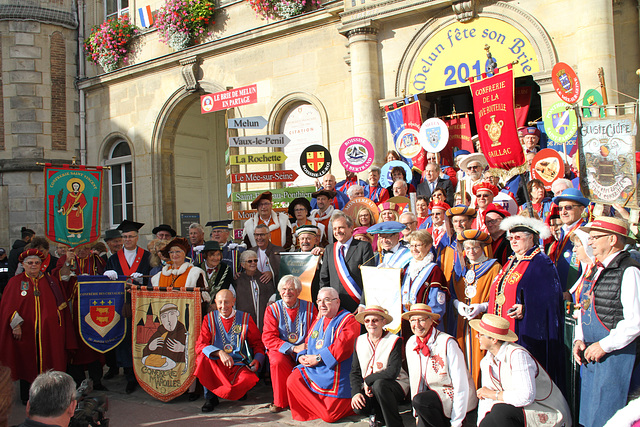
{"points": [[377, 310], [420, 310], [495, 327], [609, 225]]}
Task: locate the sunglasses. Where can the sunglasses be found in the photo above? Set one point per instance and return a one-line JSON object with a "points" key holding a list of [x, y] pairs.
{"points": [[252, 261]]}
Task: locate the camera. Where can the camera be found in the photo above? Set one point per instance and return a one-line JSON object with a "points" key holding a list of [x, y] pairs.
{"points": [[91, 410]]}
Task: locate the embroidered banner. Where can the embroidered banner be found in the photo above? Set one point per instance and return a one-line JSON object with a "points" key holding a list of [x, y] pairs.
{"points": [[459, 138], [404, 124], [495, 120], [304, 266], [607, 158], [382, 287], [72, 200], [100, 302], [165, 326]]}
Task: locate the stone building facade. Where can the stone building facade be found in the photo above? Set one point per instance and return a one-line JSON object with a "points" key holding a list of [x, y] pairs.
{"points": [[321, 77]]}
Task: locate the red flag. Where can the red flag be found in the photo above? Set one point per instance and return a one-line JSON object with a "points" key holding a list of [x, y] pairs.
{"points": [[493, 105], [459, 138], [523, 97]]}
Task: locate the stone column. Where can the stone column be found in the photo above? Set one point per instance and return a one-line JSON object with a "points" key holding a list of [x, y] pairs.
{"points": [[365, 86]]}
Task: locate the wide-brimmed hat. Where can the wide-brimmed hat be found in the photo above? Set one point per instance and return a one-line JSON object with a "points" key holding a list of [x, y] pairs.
{"points": [[30, 252], [298, 201], [387, 227], [266, 195], [164, 227], [420, 310], [485, 186], [461, 210], [517, 223], [478, 235], [377, 310], [573, 195], [474, 157], [609, 225], [180, 242], [329, 194], [211, 245], [112, 234], [495, 327]]}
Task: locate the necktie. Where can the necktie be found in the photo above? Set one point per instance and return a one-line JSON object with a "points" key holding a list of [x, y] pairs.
{"points": [[433, 187], [341, 251], [599, 264]]}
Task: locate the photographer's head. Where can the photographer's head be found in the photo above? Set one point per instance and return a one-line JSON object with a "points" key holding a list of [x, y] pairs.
{"points": [[52, 398]]}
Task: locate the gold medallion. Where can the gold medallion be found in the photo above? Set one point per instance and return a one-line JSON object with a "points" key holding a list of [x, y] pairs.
{"points": [[500, 299], [314, 334], [228, 348], [319, 344], [237, 329]]}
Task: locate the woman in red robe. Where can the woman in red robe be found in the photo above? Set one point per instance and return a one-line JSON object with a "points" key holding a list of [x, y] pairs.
{"points": [[35, 331]]}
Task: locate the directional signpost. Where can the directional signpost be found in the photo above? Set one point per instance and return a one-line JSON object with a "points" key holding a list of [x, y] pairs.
{"points": [[257, 122], [279, 194], [279, 141], [271, 176], [257, 159]]}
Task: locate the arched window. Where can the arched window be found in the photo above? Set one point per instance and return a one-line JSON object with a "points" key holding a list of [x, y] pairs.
{"points": [[120, 183]]}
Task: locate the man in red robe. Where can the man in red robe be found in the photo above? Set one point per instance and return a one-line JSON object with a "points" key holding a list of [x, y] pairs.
{"points": [[223, 366], [319, 387], [36, 329]]}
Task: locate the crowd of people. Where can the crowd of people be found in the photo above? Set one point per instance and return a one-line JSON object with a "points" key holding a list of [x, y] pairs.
{"points": [[501, 299]]}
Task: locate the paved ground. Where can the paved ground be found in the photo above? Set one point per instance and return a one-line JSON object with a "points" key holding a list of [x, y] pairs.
{"points": [[140, 409]]}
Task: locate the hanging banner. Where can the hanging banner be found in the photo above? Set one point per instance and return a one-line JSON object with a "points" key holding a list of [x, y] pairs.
{"points": [[522, 100], [304, 266], [100, 303], [382, 287], [165, 326], [459, 139], [607, 158], [495, 121], [407, 117], [72, 204]]}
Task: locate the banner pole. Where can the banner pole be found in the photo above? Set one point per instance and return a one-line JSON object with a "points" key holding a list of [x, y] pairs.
{"points": [[527, 198]]}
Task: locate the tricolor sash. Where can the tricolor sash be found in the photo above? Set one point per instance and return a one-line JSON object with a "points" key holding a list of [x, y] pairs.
{"points": [[558, 247], [398, 259], [410, 287], [126, 269], [347, 281]]}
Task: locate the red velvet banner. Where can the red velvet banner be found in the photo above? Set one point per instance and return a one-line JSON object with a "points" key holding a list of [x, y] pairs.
{"points": [[493, 104], [459, 137], [523, 98]]}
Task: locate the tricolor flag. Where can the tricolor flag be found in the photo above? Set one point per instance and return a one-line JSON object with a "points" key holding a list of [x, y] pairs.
{"points": [[146, 18]]}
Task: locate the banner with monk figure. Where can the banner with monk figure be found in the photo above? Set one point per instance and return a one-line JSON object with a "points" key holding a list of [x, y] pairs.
{"points": [[165, 328], [304, 266], [72, 198], [102, 325]]}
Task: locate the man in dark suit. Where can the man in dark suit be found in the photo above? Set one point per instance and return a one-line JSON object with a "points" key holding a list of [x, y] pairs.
{"points": [[432, 181], [268, 254], [350, 254]]}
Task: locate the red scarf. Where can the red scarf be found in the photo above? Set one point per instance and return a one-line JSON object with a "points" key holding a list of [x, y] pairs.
{"points": [[421, 346]]}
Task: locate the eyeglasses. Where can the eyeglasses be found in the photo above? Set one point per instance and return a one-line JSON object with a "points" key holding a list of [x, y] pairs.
{"points": [[371, 320], [300, 210], [473, 168], [515, 237], [592, 238], [569, 208], [264, 204], [416, 245], [483, 196], [492, 221], [325, 300], [407, 224], [175, 252], [259, 234], [252, 261], [32, 263]]}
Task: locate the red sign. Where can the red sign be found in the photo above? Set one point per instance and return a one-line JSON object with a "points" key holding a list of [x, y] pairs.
{"points": [[229, 207], [271, 176], [228, 99], [459, 138], [547, 166], [246, 214], [565, 82], [496, 121]]}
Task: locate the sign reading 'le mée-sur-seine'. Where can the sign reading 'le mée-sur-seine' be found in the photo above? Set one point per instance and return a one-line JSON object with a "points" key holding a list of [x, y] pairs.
{"points": [[279, 140], [271, 176], [228, 99], [257, 159]]}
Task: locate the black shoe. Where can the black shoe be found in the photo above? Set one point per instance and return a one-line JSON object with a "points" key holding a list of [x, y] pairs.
{"points": [[194, 396], [131, 387], [99, 387], [209, 404], [112, 372]]}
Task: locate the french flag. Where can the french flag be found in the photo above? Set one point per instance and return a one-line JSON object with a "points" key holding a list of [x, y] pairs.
{"points": [[146, 18]]}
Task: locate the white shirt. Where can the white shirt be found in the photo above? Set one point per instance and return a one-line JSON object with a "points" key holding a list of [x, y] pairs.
{"points": [[130, 256], [263, 261], [346, 246], [628, 329]]}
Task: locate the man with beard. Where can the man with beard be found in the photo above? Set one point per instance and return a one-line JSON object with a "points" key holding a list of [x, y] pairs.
{"points": [[473, 166]]}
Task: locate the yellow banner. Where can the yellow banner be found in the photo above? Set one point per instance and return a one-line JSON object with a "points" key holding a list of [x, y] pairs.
{"points": [[457, 52]]}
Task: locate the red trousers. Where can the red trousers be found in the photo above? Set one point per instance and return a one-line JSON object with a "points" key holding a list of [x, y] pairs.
{"points": [[307, 405], [227, 383], [281, 366]]}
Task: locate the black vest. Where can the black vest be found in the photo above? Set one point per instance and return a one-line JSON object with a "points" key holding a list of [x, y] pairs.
{"points": [[607, 290]]}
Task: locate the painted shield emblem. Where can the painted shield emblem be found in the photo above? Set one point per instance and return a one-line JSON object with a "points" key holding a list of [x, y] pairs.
{"points": [[102, 315], [560, 122], [315, 161]]}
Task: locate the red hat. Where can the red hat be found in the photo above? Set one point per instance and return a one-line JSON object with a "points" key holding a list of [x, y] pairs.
{"points": [[522, 131], [487, 186], [266, 195], [492, 207], [397, 207], [533, 130], [437, 204], [30, 252]]}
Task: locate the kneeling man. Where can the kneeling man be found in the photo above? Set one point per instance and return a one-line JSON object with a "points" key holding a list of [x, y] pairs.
{"points": [[319, 386], [441, 387], [517, 390], [223, 365]]}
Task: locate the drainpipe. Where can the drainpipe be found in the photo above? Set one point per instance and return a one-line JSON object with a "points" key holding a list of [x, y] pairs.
{"points": [[81, 76]]}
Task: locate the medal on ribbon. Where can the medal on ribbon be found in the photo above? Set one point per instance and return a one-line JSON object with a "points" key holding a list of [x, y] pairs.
{"points": [[293, 337], [319, 344], [228, 348], [315, 334]]}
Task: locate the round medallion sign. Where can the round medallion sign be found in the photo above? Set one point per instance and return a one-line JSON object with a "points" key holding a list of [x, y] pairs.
{"points": [[356, 154]]}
